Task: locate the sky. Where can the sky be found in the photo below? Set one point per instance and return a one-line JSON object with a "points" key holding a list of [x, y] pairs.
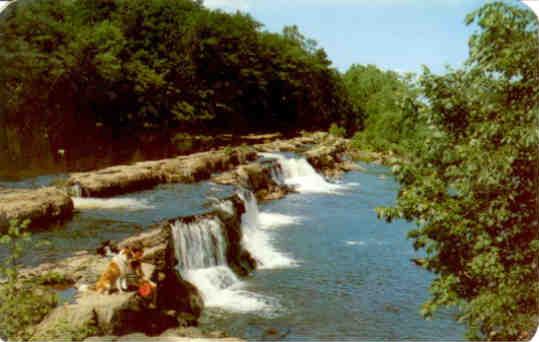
{"points": [[400, 35]]}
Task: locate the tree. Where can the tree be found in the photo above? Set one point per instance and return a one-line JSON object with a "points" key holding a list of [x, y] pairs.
{"points": [[380, 98], [472, 187]]}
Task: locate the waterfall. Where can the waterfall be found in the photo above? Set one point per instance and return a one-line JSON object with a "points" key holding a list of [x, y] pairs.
{"points": [[200, 244], [200, 248], [298, 173], [256, 238], [277, 175]]}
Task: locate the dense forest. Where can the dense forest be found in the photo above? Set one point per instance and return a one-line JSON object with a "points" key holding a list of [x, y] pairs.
{"points": [[468, 138], [127, 66]]}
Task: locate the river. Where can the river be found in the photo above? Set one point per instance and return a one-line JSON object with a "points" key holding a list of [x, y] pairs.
{"points": [[329, 269]]}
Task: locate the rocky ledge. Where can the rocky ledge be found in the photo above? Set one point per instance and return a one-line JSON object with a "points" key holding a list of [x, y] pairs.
{"points": [[178, 303], [257, 177], [40, 206], [123, 179], [331, 157]]}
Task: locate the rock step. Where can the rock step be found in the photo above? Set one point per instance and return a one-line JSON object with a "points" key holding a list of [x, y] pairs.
{"points": [[41, 206], [123, 179], [257, 177]]}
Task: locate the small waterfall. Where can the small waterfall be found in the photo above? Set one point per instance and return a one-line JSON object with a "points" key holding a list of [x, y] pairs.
{"points": [[200, 244], [200, 248], [256, 239], [277, 175], [297, 172]]}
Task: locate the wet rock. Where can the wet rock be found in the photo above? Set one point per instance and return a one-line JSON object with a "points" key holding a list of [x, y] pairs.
{"points": [[257, 177], [41, 206], [238, 258]]}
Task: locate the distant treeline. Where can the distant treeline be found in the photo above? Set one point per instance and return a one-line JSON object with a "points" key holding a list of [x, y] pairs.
{"points": [[161, 63]]}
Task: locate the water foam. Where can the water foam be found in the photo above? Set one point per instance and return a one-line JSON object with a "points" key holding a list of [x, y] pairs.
{"points": [[256, 240], [110, 203], [200, 248], [298, 173], [269, 220], [354, 243], [221, 288]]}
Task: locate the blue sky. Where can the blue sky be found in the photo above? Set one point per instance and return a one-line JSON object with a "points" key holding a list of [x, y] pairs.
{"points": [[400, 35]]}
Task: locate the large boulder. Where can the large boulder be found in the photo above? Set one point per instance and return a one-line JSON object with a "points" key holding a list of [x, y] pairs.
{"points": [[41, 206]]}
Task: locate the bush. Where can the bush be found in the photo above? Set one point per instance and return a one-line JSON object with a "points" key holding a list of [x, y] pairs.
{"points": [[24, 303], [337, 131]]}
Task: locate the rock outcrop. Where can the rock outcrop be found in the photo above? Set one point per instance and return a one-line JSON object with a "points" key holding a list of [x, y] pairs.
{"points": [[41, 206], [122, 179], [259, 177]]}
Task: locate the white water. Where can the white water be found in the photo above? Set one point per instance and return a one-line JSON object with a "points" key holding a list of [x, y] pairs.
{"points": [[298, 173], [110, 203], [3, 5], [354, 243], [200, 249], [273, 220], [258, 241]]}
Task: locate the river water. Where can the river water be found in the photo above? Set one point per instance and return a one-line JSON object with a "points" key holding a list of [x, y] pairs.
{"points": [[349, 274], [328, 268]]}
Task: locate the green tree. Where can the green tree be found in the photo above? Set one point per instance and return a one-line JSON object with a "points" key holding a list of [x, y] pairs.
{"points": [[381, 100], [472, 187]]}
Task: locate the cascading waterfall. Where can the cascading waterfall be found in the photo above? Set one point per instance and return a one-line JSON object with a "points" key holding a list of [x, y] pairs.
{"points": [[203, 243], [200, 248], [255, 237], [298, 173]]}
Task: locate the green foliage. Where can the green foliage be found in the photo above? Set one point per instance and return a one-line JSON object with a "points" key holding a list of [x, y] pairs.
{"points": [[183, 142], [386, 102], [228, 150], [188, 143], [52, 278], [157, 63], [337, 131], [472, 187], [24, 303]]}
